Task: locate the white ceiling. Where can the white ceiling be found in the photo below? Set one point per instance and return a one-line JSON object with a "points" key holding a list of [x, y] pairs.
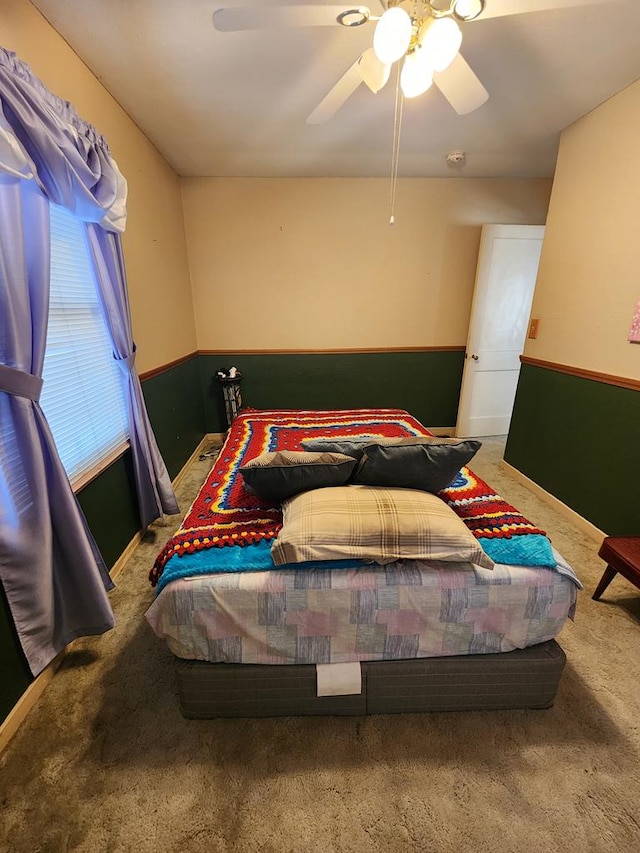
{"points": [[235, 104]]}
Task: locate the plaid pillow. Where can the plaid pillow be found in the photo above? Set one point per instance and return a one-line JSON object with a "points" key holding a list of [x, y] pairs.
{"points": [[370, 523]]}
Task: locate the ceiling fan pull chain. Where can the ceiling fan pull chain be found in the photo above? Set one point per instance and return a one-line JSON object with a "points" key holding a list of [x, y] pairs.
{"points": [[395, 156]]}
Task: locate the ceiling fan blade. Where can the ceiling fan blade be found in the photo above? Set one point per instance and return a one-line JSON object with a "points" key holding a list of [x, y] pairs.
{"points": [[373, 72], [234, 19], [500, 8], [461, 87], [341, 92]]}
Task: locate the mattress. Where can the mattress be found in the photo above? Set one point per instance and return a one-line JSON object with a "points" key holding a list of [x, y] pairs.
{"points": [[407, 609]]}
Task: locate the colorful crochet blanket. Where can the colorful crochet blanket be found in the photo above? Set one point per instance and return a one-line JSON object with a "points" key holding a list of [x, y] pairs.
{"points": [[225, 515]]}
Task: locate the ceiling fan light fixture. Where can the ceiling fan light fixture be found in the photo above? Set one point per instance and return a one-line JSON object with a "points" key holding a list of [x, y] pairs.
{"points": [[354, 17], [467, 10], [392, 35], [440, 38], [416, 75]]}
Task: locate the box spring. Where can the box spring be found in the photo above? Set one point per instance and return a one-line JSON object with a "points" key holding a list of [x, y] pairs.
{"points": [[524, 678]]}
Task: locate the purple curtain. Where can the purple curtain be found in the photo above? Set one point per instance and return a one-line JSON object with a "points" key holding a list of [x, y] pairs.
{"points": [[53, 575], [155, 494], [51, 570]]}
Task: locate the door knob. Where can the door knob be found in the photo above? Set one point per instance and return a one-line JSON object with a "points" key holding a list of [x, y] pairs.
{"points": [[475, 357]]}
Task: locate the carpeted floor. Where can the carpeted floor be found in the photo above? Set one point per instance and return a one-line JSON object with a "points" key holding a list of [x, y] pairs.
{"points": [[106, 763]]}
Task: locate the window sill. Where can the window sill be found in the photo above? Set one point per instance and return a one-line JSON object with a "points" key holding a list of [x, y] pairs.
{"points": [[78, 483]]}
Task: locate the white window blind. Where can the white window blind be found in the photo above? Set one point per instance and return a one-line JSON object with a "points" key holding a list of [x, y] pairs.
{"points": [[82, 396]]}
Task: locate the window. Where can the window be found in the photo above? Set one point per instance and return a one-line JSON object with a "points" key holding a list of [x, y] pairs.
{"points": [[82, 396]]}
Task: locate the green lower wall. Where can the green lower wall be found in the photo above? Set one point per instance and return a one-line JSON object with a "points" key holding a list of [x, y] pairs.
{"points": [[109, 505], [427, 383], [176, 410], [175, 405], [580, 440], [14, 672]]}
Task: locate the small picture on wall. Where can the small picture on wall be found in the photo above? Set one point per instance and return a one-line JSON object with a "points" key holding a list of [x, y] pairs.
{"points": [[634, 334]]}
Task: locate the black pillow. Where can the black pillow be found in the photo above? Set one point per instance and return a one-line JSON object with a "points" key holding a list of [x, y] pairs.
{"points": [[414, 465], [279, 475]]}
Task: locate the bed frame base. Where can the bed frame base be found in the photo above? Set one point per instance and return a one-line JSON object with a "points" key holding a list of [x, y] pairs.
{"points": [[524, 678]]}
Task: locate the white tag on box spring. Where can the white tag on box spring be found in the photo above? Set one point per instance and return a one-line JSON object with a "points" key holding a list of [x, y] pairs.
{"points": [[339, 679]]}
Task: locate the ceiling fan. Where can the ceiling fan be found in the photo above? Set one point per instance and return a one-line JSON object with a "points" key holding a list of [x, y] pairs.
{"points": [[425, 35]]}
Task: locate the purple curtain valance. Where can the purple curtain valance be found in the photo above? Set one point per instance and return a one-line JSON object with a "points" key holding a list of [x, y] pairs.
{"points": [[43, 138]]}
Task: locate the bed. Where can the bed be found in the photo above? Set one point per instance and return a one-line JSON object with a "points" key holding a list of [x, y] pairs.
{"points": [[252, 632]]}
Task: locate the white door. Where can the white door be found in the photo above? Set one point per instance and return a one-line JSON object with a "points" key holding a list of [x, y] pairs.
{"points": [[505, 282]]}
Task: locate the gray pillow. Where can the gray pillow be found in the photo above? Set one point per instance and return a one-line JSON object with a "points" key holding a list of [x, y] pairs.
{"points": [[428, 466], [355, 445], [350, 446], [281, 474]]}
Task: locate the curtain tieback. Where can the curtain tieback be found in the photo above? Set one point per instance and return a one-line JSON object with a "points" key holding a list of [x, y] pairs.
{"points": [[127, 362], [19, 383]]}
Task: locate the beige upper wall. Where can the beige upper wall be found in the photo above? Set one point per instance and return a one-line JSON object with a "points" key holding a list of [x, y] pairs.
{"points": [[312, 263], [589, 277], [154, 242]]}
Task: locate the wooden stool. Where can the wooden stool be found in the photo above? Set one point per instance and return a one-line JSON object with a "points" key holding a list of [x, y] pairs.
{"points": [[622, 554]]}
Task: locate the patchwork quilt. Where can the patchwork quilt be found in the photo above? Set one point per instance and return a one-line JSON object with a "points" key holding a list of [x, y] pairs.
{"points": [[227, 529], [405, 610]]}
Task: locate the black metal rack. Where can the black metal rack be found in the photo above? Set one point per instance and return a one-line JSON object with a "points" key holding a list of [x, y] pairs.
{"points": [[231, 394]]}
